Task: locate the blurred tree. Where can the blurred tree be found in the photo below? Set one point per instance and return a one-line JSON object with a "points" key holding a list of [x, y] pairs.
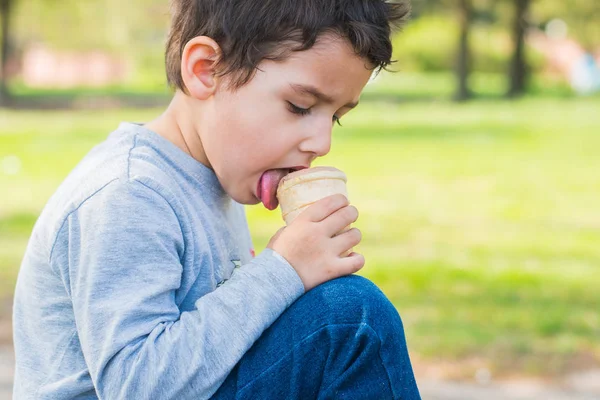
{"points": [[506, 23], [5, 14], [465, 16], [518, 70], [463, 62]]}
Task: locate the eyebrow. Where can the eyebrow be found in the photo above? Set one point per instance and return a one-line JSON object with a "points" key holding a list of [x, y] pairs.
{"points": [[316, 93]]}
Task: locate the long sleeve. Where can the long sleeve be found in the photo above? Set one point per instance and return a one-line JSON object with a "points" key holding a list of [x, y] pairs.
{"points": [[119, 256]]}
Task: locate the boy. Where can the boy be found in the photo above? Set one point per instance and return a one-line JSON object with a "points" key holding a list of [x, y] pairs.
{"points": [[139, 280]]}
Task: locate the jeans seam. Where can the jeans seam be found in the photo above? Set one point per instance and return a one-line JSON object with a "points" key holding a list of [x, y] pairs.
{"points": [[319, 329], [387, 374]]}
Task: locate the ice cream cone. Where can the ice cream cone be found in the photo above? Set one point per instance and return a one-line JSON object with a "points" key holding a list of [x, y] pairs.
{"points": [[300, 189]]}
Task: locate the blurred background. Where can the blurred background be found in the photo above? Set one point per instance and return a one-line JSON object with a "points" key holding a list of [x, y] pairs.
{"points": [[474, 165]]}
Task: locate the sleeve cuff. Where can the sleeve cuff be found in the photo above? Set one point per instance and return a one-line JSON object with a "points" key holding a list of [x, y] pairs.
{"points": [[282, 274]]}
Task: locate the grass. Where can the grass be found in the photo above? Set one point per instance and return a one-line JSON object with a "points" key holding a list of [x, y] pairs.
{"points": [[480, 221]]}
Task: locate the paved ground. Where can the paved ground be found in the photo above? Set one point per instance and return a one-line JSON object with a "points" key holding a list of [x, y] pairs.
{"points": [[431, 390], [578, 387], [6, 372]]}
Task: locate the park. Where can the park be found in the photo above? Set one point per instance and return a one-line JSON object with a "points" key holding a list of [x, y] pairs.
{"points": [[473, 163]]}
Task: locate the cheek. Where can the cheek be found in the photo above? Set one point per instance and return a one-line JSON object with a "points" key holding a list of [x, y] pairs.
{"points": [[253, 134], [258, 131], [239, 120], [235, 147]]}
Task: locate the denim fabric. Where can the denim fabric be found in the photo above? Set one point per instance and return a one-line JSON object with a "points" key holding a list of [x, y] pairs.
{"points": [[341, 340]]}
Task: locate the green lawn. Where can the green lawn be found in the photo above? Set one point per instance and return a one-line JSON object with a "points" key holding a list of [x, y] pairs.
{"points": [[481, 221]]}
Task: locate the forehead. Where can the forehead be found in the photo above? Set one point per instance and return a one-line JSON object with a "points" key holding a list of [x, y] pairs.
{"points": [[330, 49], [330, 66]]}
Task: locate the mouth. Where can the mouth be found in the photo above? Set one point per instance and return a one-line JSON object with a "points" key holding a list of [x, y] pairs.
{"points": [[294, 169], [266, 189]]}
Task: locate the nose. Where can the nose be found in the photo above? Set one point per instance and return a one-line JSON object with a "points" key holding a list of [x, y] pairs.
{"points": [[318, 142]]}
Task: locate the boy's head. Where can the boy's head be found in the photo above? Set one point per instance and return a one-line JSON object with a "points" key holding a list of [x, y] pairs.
{"points": [[250, 31], [263, 80]]}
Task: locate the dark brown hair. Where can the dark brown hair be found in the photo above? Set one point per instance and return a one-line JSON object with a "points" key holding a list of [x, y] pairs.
{"points": [[250, 31]]}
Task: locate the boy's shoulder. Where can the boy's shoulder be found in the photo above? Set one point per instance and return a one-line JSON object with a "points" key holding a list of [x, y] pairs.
{"points": [[119, 160]]}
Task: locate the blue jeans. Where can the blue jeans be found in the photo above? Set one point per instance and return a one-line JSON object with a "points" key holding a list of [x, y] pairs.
{"points": [[341, 340]]}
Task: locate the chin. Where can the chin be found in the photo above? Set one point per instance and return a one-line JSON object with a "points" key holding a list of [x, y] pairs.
{"points": [[252, 202], [245, 200]]}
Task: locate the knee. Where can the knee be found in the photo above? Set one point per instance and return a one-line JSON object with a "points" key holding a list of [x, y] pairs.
{"points": [[355, 299]]}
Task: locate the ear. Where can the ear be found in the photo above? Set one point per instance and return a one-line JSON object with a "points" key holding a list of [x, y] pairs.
{"points": [[197, 66]]}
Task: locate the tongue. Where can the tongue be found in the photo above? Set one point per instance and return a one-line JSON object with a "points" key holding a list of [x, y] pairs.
{"points": [[268, 187]]}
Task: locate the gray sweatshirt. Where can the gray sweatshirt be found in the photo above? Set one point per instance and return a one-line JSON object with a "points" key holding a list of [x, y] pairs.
{"points": [[139, 280]]}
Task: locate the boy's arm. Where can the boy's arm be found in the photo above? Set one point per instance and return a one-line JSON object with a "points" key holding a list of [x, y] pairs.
{"points": [[119, 257]]}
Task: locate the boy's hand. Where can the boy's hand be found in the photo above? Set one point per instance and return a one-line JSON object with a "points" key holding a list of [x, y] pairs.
{"points": [[309, 243]]}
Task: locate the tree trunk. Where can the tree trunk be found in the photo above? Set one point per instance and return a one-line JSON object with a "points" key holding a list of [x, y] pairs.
{"points": [[518, 64], [5, 8], [463, 67]]}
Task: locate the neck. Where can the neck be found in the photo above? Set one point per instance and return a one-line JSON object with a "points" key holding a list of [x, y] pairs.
{"points": [[177, 126]]}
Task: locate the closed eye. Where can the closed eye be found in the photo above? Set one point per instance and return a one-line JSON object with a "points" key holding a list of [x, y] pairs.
{"points": [[306, 111], [298, 110]]}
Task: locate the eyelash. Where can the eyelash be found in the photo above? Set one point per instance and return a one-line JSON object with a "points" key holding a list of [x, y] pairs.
{"points": [[305, 111]]}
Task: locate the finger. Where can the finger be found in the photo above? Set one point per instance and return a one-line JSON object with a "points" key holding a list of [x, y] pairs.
{"points": [[346, 241], [339, 220], [351, 264], [323, 208]]}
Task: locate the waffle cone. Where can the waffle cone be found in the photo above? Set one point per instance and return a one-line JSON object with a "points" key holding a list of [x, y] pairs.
{"points": [[298, 190]]}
